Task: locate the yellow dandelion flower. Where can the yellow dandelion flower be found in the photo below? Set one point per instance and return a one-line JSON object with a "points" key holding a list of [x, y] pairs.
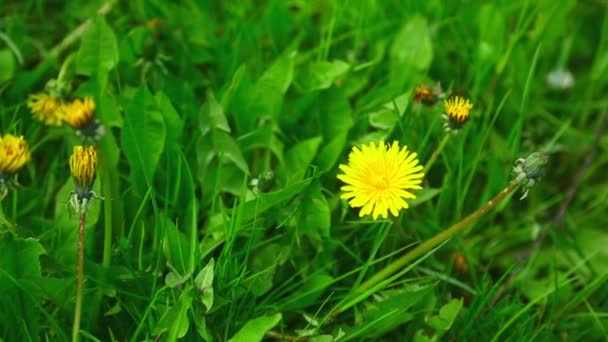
{"points": [[457, 109], [79, 113], [46, 108], [378, 178], [83, 165], [14, 153]]}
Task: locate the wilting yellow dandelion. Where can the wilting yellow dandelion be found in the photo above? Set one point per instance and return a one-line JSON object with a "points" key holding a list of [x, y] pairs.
{"points": [[79, 113], [14, 154], [46, 108], [379, 178], [83, 165]]}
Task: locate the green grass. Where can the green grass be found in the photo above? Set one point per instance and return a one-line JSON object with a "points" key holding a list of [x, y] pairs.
{"points": [[200, 98]]}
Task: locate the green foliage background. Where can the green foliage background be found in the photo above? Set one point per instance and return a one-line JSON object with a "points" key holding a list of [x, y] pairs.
{"points": [[200, 98]]}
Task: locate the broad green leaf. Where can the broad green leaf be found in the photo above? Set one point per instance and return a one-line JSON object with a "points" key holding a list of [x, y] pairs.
{"points": [[143, 138], [176, 247], [393, 309], [309, 293], [412, 50], [204, 284], [212, 116], [299, 158], [19, 272], [447, 315], [336, 115], [262, 137], [7, 65], [98, 51], [321, 75], [423, 196], [173, 122], [383, 119], [175, 319], [330, 153], [255, 329], [271, 87], [265, 201], [313, 217]]}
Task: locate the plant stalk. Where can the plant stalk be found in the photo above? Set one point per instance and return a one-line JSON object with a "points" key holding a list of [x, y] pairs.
{"points": [[433, 242], [79, 279], [436, 153]]}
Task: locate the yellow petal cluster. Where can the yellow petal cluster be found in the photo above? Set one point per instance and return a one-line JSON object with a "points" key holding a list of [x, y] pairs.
{"points": [[83, 165], [14, 153], [457, 109], [79, 113], [46, 108], [379, 178]]}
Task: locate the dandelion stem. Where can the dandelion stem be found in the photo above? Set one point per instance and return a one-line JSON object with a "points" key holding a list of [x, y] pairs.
{"points": [[436, 153], [433, 242], [79, 279]]}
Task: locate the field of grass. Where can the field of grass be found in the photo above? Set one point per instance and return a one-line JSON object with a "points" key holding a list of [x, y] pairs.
{"points": [[221, 126]]}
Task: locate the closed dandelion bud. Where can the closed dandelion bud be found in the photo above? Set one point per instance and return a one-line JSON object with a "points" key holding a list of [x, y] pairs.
{"points": [[263, 183], [14, 154], [456, 112], [379, 178], [83, 167], [529, 170]]}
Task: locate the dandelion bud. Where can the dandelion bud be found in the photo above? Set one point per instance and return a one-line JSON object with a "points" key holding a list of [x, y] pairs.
{"points": [[456, 112], [529, 170], [83, 167]]}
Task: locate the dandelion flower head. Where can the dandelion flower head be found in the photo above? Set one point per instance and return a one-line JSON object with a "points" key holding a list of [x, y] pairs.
{"points": [[379, 178], [457, 109], [46, 108], [14, 154], [83, 165], [79, 113]]}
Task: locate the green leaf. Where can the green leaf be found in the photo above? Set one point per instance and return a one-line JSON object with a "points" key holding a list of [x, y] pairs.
{"points": [[7, 65], [204, 284], [173, 122], [321, 75], [143, 138], [383, 119], [330, 153], [299, 157], [255, 329], [313, 217], [447, 315], [19, 272], [411, 51], [98, 51], [212, 116], [176, 248], [269, 200], [175, 319], [270, 89]]}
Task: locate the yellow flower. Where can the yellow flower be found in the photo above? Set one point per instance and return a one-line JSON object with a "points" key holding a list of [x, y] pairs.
{"points": [[83, 165], [14, 153], [378, 178], [46, 108], [79, 113], [457, 109]]}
